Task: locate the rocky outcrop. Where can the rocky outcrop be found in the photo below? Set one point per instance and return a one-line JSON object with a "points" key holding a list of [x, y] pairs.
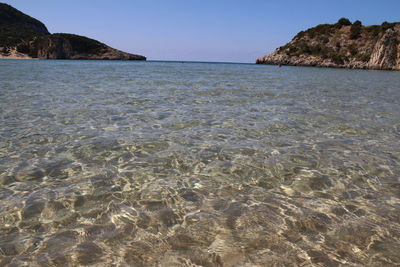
{"points": [[342, 45], [70, 46], [385, 53], [24, 37]]}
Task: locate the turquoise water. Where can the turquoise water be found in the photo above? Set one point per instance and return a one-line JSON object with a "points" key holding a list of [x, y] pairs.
{"points": [[186, 164]]}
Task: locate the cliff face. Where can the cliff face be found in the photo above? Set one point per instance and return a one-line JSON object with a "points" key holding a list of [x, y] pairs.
{"points": [[343, 45], [24, 37], [70, 46]]}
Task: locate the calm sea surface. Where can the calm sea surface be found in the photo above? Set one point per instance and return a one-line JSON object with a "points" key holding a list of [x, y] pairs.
{"points": [[187, 164]]}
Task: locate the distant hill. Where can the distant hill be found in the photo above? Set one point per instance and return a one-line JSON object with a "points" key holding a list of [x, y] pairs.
{"points": [[22, 36], [344, 44]]}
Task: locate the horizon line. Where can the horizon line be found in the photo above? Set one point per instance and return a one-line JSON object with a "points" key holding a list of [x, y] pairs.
{"points": [[138, 61], [200, 61]]}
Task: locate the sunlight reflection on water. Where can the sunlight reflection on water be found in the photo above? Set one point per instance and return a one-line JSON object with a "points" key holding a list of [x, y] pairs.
{"points": [[170, 164]]}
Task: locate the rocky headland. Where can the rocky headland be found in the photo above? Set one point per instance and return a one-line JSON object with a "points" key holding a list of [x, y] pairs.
{"points": [[22, 36], [342, 45]]}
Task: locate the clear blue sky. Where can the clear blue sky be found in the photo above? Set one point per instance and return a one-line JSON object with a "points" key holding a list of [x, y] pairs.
{"points": [[201, 30]]}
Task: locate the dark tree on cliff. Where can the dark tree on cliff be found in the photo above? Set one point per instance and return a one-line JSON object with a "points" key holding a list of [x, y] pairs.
{"points": [[355, 30], [344, 22]]}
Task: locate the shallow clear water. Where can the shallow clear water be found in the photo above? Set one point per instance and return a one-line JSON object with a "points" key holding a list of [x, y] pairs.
{"points": [[185, 164]]}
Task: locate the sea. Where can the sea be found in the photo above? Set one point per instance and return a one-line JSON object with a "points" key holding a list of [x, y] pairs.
{"points": [[125, 163]]}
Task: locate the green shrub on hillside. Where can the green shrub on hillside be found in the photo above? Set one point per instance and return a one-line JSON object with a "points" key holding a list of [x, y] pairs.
{"points": [[386, 25], [337, 58], [374, 30], [363, 57], [353, 50], [357, 23], [323, 39], [82, 44], [355, 30], [322, 29], [33, 48], [23, 48], [299, 35], [292, 50], [11, 34], [304, 49], [343, 22], [5, 51]]}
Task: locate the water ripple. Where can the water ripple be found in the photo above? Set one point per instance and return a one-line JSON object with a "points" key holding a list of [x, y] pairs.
{"points": [[171, 164]]}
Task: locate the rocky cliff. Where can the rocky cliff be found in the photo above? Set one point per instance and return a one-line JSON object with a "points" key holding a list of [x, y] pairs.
{"points": [[22, 36], [343, 45]]}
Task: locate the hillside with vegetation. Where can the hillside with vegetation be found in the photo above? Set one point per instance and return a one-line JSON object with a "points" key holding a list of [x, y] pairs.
{"points": [[343, 44], [22, 36]]}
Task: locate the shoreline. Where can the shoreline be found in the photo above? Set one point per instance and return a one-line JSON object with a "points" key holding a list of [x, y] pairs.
{"points": [[14, 54], [325, 67]]}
